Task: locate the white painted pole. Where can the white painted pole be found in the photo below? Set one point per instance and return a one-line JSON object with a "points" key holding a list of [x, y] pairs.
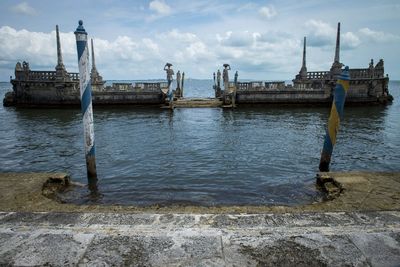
{"points": [[86, 100]]}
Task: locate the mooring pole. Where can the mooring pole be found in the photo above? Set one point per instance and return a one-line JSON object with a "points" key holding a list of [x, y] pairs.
{"points": [[342, 85], [86, 100]]}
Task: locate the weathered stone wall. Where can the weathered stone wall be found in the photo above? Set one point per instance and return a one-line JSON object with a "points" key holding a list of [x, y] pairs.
{"points": [[46, 93], [67, 93], [138, 98], [283, 96], [361, 90]]}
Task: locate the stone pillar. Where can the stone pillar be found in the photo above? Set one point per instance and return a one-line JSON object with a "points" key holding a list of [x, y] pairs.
{"points": [[337, 49], [336, 68], [95, 78], [18, 71], [61, 72], [303, 70]]}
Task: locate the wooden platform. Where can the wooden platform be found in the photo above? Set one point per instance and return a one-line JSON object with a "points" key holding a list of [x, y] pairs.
{"points": [[197, 103]]}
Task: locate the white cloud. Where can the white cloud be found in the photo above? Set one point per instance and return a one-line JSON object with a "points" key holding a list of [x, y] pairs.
{"points": [[127, 57], [24, 45], [246, 7], [24, 8], [124, 57], [183, 47], [322, 34], [378, 36], [254, 53], [267, 12], [236, 39], [349, 40], [160, 8], [176, 35], [151, 45]]}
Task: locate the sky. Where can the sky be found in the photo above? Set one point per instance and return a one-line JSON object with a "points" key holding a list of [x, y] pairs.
{"points": [[262, 40]]}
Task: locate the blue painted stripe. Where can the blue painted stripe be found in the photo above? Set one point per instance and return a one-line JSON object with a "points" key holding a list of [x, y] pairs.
{"points": [[92, 151], [86, 98], [340, 95], [328, 146], [80, 45]]}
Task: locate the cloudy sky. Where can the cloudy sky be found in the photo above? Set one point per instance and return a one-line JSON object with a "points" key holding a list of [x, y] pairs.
{"points": [[260, 39]]}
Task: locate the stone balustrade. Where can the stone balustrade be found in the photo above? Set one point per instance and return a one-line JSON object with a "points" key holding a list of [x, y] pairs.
{"points": [[317, 75], [44, 76], [260, 85], [244, 86], [138, 87], [74, 76], [366, 73], [275, 85], [41, 75]]}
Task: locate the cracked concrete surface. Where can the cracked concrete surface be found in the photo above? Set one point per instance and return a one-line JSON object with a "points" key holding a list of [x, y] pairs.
{"points": [[303, 239]]}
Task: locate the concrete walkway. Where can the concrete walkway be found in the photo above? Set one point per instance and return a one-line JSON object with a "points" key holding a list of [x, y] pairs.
{"points": [[102, 239]]}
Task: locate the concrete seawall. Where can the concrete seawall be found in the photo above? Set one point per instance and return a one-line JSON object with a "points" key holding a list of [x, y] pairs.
{"points": [[358, 225]]}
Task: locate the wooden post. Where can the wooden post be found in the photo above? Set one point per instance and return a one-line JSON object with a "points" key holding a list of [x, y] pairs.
{"points": [[86, 101], [342, 85]]}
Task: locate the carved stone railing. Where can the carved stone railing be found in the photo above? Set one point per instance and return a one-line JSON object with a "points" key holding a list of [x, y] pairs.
{"points": [[317, 75], [243, 86], [260, 85], [275, 85], [361, 73], [137, 87], [366, 73], [44, 76], [41, 75], [74, 76], [122, 86], [151, 86]]}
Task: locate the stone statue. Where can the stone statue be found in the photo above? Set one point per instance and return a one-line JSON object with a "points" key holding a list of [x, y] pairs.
{"points": [[170, 73], [371, 69], [18, 69], [218, 79], [182, 83], [214, 77], [26, 70], [25, 66], [225, 76], [18, 66], [178, 79], [236, 77], [380, 64]]}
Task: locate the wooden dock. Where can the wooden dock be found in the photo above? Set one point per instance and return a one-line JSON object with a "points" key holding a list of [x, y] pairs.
{"points": [[197, 103]]}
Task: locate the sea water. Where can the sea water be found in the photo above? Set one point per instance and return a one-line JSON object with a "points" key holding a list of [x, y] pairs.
{"points": [[199, 156]]}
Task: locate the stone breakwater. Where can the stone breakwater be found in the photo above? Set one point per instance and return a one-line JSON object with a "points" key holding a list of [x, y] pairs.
{"points": [[60, 88]]}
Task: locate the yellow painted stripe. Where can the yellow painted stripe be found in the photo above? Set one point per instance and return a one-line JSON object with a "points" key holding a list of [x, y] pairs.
{"points": [[344, 84], [333, 124]]}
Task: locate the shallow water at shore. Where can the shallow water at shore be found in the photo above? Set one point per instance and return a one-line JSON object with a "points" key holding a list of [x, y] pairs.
{"points": [[210, 156]]}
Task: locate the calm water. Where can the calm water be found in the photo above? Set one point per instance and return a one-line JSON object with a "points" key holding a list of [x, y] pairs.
{"points": [[210, 156]]}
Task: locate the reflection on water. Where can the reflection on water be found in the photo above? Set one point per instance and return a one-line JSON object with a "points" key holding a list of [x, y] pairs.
{"points": [[210, 156]]}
